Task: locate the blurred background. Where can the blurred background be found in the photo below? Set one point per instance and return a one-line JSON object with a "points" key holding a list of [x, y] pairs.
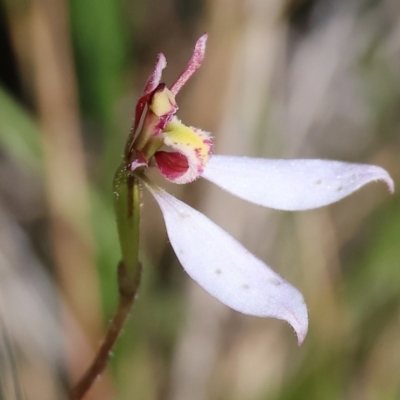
{"points": [[281, 78]]}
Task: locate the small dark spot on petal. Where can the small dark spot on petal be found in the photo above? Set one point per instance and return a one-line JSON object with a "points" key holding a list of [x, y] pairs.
{"points": [[218, 271], [245, 286], [318, 182], [275, 281], [184, 215]]}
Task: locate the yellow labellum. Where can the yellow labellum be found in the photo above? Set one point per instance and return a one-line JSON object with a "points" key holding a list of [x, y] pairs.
{"points": [[193, 143]]}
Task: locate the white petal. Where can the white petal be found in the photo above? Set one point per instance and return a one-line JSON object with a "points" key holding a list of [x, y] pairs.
{"points": [[225, 269], [291, 184]]}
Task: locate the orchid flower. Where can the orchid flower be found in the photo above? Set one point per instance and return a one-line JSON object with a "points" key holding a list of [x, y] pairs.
{"points": [[213, 258]]}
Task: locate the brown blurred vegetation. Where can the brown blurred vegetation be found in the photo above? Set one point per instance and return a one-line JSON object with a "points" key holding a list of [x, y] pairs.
{"points": [[300, 78]]}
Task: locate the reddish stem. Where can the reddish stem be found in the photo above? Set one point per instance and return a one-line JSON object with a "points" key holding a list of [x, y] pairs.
{"points": [[127, 294]]}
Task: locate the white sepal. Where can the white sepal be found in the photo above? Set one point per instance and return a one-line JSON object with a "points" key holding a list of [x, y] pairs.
{"points": [[291, 184], [225, 269]]}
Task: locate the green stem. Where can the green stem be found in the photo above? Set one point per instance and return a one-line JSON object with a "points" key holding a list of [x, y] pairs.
{"points": [[127, 210]]}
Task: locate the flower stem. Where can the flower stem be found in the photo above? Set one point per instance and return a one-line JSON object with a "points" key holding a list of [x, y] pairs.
{"points": [[127, 209]]}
